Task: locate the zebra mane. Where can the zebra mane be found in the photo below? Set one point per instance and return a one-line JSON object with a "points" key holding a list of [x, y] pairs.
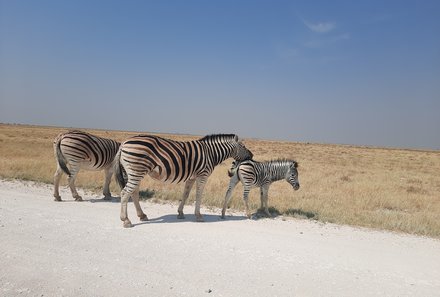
{"points": [[216, 137], [76, 132]]}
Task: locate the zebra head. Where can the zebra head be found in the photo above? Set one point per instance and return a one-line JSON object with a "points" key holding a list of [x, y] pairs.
{"points": [[241, 153], [292, 175]]}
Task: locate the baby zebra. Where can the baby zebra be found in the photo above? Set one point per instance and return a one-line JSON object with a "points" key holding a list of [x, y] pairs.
{"points": [[75, 150], [260, 174]]}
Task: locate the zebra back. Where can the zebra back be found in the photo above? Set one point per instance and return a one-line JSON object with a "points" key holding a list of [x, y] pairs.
{"points": [[176, 161]]}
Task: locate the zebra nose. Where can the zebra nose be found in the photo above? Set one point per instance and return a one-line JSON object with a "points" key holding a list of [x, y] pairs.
{"points": [[296, 187]]}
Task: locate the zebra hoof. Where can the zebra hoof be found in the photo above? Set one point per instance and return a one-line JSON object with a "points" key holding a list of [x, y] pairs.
{"points": [[127, 224], [199, 218], [180, 216], [78, 198], [143, 218], [57, 198]]}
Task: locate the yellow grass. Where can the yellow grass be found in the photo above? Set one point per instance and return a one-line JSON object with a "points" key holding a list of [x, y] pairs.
{"points": [[390, 189]]}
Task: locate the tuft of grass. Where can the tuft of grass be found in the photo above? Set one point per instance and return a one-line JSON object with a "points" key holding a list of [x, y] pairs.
{"points": [[415, 190], [392, 189], [146, 194], [345, 178]]}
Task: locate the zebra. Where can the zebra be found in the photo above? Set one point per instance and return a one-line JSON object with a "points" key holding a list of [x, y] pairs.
{"points": [[82, 150], [172, 162], [260, 174]]}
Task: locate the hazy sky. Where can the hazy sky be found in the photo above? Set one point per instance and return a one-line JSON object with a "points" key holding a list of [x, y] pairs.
{"points": [[351, 72]]}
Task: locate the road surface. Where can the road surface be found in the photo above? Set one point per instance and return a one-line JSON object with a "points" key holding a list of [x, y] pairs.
{"points": [[73, 248]]}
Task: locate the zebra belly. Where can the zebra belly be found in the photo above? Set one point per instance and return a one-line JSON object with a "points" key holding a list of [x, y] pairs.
{"points": [[90, 166], [161, 175], [251, 181]]}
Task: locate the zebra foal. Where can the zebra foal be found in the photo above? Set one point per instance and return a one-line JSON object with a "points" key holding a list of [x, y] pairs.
{"points": [[260, 174], [172, 162], [75, 150]]}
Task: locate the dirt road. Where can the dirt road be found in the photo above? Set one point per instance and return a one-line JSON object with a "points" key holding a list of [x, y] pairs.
{"points": [[80, 249]]}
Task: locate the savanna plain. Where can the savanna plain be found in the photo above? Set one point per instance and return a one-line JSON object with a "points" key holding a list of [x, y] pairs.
{"points": [[379, 188]]}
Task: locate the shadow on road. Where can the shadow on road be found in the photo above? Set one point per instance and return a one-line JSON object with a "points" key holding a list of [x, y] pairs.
{"points": [[190, 218]]}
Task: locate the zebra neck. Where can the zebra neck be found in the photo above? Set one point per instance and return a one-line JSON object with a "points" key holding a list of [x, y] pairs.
{"points": [[277, 171], [218, 152]]}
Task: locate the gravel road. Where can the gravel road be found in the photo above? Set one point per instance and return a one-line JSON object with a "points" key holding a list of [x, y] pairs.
{"points": [[73, 248]]}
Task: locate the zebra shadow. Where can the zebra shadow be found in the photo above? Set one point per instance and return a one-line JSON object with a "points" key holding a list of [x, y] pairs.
{"points": [[291, 212], [92, 200], [112, 199], [144, 195], [190, 218]]}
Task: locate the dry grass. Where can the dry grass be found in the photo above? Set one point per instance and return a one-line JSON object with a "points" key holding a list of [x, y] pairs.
{"points": [[373, 187]]}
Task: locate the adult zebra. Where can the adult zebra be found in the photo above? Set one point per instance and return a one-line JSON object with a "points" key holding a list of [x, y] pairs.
{"points": [[260, 174], [75, 150], [173, 162]]}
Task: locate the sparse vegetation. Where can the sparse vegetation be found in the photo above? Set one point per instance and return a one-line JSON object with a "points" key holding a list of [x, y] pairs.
{"points": [[381, 188]]}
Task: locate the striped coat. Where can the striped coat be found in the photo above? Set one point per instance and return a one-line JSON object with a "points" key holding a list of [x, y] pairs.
{"points": [[172, 162], [75, 150], [260, 174]]}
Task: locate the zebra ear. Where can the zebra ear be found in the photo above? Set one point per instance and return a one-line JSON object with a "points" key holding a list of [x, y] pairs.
{"points": [[236, 138]]}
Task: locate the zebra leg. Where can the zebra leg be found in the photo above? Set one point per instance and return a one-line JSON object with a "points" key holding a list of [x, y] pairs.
{"points": [[56, 183], [131, 189], [108, 175], [125, 195], [142, 216], [201, 182], [71, 179], [246, 198], [232, 183], [188, 186], [265, 191]]}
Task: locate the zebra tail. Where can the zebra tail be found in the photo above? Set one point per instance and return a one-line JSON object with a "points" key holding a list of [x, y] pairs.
{"points": [[60, 158], [120, 173]]}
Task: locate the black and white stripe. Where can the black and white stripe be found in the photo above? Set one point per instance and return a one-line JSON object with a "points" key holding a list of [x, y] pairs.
{"points": [[260, 174], [172, 162], [75, 150]]}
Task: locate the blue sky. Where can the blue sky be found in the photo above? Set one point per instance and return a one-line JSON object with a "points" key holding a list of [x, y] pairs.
{"points": [[349, 72]]}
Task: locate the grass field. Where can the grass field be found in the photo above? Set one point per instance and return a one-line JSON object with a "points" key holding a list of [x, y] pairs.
{"points": [[390, 189]]}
